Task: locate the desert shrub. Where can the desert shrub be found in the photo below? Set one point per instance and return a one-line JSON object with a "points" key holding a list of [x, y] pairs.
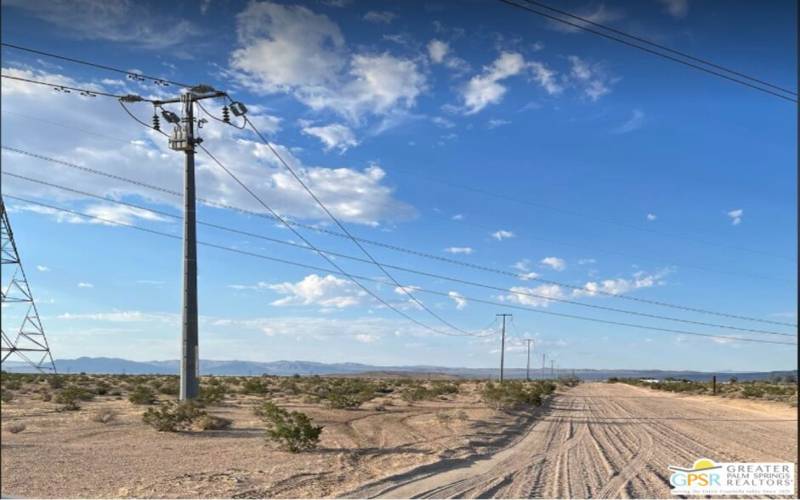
{"points": [[293, 430], [255, 386], [173, 416], [115, 392], [16, 427], [213, 394], [514, 393], [170, 387], [104, 416], [569, 381], [419, 392], [46, 396], [6, 396], [101, 388], [142, 395], [70, 396], [213, 423], [12, 384], [55, 381], [342, 393]]}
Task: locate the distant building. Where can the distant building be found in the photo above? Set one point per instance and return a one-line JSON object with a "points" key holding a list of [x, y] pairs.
{"points": [[649, 380]]}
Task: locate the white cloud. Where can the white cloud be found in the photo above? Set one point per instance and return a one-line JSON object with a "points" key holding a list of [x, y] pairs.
{"points": [[380, 17], [635, 122], [459, 250], [676, 8], [736, 216], [42, 269], [527, 276], [502, 234], [535, 297], [443, 122], [122, 317], [83, 284], [545, 77], [651, 217], [458, 217], [497, 122], [583, 262], [125, 21], [554, 262], [437, 50], [484, 89], [617, 286], [328, 292], [366, 338], [459, 300], [523, 265], [590, 79], [334, 135], [121, 214], [353, 195], [293, 50]]}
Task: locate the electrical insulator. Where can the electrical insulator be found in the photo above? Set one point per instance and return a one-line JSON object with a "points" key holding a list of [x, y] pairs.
{"points": [[226, 117], [156, 122]]}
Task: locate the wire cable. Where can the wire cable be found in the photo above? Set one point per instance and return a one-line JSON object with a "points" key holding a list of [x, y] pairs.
{"points": [[344, 229], [527, 202], [83, 92], [533, 238], [382, 281], [645, 49], [94, 65], [514, 292], [659, 46], [323, 255], [398, 248]]}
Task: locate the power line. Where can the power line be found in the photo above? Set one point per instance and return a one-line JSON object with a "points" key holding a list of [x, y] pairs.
{"points": [[331, 261], [418, 253], [344, 229], [662, 47], [484, 192], [375, 280], [82, 91], [645, 49], [467, 222], [131, 74], [519, 293]]}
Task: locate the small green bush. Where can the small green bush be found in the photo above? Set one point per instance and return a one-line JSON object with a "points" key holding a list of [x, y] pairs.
{"points": [[293, 430], [173, 416], [6, 396], [213, 394], [255, 386], [142, 395], [55, 381], [70, 396], [514, 393]]}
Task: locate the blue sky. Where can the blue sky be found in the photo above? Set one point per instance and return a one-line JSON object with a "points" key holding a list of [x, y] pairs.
{"points": [[472, 131]]}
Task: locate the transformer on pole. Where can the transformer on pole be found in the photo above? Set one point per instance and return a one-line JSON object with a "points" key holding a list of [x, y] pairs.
{"points": [[28, 341], [183, 139]]}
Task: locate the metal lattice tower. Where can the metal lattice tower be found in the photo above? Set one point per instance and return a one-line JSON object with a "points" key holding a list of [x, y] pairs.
{"points": [[28, 341]]}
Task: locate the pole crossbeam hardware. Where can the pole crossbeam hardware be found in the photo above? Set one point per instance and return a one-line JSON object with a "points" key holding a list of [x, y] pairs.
{"points": [[183, 139], [503, 343], [29, 341]]}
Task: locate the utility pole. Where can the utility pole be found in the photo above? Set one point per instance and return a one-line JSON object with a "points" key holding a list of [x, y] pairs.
{"points": [[543, 374], [503, 344], [183, 139], [528, 366]]}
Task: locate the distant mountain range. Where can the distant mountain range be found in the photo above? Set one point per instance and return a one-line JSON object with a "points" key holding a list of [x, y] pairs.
{"points": [[287, 368]]}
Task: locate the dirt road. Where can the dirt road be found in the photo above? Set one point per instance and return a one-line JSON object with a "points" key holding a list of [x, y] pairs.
{"points": [[607, 441]]}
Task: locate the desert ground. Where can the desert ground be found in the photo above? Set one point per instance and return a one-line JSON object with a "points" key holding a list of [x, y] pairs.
{"points": [[592, 440]]}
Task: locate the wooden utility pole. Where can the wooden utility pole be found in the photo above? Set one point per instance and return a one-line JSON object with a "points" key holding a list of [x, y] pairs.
{"points": [[528, 366]]}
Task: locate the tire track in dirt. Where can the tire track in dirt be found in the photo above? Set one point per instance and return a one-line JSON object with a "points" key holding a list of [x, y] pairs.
{"points": [[600, 440]]}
